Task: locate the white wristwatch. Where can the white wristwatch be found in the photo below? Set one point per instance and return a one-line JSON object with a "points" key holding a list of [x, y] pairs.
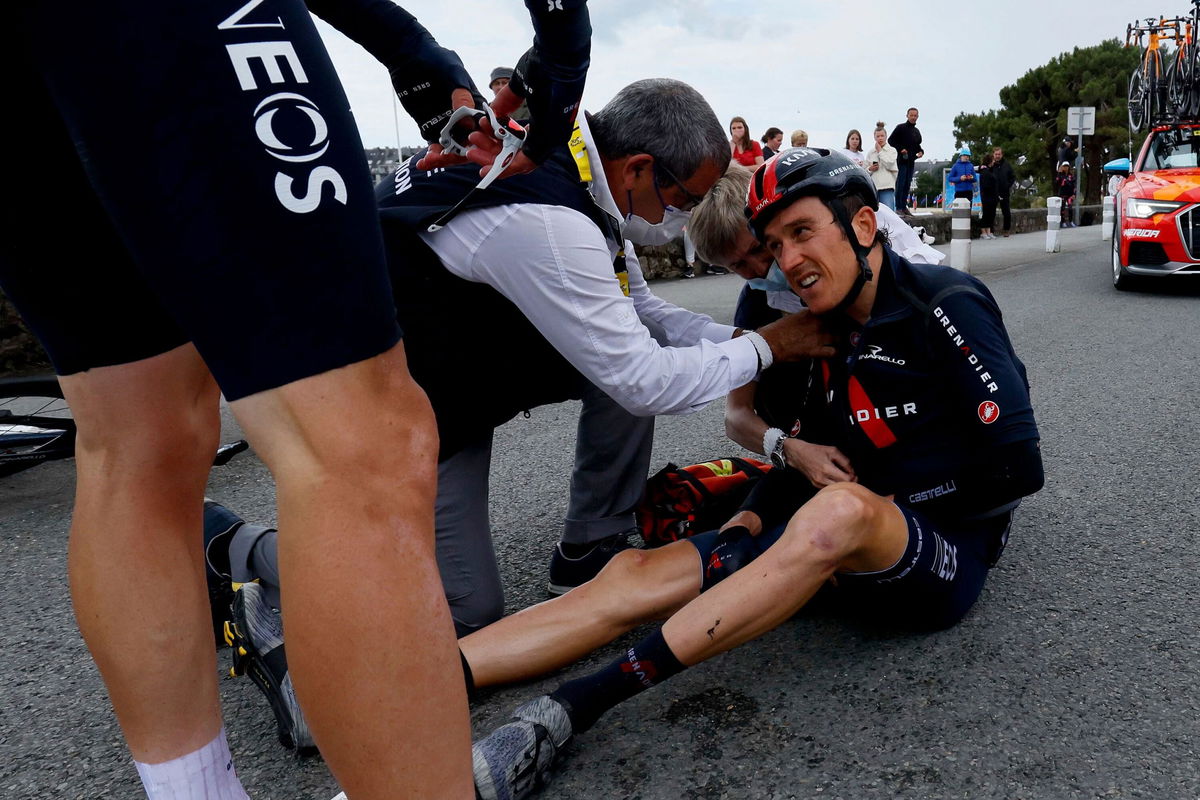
{"points": [[773, 441]]}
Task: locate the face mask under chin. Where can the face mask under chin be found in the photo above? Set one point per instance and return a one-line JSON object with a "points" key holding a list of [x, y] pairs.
{"points": [[775, 281], [639, 231]]}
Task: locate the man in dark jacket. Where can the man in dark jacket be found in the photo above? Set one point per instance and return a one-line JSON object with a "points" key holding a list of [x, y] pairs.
{"points": [[1003, 173], [906, 138]]}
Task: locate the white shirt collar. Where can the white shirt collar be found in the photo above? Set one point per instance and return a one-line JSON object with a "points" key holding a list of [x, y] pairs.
{"points": [[599, 185]]}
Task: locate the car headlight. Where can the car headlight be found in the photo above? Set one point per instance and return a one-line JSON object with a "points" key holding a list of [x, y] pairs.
{"points": [[1143, 209]]}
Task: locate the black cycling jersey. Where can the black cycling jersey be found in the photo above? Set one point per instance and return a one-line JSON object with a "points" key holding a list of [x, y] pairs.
{"points": [[928, 399], [209, 185]]}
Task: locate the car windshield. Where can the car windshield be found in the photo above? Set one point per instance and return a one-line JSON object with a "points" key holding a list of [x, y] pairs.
{"points": [[1173, 149]]}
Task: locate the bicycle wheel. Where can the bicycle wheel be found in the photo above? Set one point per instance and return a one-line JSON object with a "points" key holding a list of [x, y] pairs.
{"points": [[1154, 98], [1191, 91], [35, 423], [1179, 82], [1137, 101]]}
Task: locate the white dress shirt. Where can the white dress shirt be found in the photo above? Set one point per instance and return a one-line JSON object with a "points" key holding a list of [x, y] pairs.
{"points": [[556, 266]]}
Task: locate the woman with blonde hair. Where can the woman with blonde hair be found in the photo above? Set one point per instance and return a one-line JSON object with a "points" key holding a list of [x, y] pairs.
{"points": [[881, 163]]}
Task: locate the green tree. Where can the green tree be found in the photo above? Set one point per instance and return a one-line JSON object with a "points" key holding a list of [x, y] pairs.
{"points": [[1032, 119]]}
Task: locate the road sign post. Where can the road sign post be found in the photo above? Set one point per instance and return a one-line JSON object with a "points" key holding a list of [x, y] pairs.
{"points": [[1081, 121]]}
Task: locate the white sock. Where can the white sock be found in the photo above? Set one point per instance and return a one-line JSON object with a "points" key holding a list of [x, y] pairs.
{"points": [[206, 774]]}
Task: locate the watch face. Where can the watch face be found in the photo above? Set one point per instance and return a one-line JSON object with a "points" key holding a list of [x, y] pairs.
{"points": [[777, 458]]}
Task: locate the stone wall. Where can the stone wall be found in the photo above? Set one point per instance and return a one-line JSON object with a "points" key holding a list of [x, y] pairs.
{"points": [[1024, 220], [665, 261]]}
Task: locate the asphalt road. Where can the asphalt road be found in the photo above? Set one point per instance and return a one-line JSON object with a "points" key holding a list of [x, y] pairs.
{"points": [[1076, 676]]}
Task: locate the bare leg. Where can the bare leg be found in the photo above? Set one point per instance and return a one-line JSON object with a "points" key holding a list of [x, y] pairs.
{"points": [[147, 432], [845, 527], [636, 587], [370, 641]]}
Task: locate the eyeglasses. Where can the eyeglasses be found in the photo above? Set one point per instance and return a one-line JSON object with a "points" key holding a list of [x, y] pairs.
{"points": [[693, 200]]}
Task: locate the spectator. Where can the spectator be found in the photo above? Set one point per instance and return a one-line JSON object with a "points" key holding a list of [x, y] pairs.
{"points": [[1002, 171], [1067, 152], [1064, 187], [744, 150], [500, 78], [772, 142], [962, 175], [881, 163], [906, 138], [854, 148], [799, 138], [987, 196]]}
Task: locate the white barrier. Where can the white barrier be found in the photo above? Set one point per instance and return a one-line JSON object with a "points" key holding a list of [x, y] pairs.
{"points": [[960, 235], [1053, 220], [1110, 213]]}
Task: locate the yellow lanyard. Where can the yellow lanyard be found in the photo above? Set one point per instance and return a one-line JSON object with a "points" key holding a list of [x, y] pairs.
{"points": [[584, 165]]}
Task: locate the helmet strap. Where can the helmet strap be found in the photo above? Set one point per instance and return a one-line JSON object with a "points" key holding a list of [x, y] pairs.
{"points": [[860, 253]]}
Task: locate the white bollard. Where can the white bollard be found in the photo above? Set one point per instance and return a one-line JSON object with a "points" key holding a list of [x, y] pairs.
{"points": [[960, 235], [1053, 220], [1110, 213]]}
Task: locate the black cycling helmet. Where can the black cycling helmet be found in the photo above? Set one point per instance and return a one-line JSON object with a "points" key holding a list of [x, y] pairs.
{"points": [[812, 172]]}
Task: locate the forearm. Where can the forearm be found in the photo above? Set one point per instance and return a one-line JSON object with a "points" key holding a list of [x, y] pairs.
{"points": [[552, 74], [742, 423]]}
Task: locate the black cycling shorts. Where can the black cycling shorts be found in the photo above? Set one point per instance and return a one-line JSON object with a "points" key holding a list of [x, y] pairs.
{"points": [[188, 172], [931, 587]]}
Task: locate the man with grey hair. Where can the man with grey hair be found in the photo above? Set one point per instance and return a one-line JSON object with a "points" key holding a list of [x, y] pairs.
{"points": [[530, 293]]}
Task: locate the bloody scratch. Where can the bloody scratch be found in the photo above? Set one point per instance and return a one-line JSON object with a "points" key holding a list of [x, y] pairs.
{"points": [[712, 631]]}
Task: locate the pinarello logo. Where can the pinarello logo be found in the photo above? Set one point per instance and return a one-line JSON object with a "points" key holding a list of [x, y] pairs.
{"points": [[989, 412]]}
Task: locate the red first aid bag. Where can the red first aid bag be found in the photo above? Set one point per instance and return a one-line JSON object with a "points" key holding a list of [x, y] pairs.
{"points": [[682, 501]]}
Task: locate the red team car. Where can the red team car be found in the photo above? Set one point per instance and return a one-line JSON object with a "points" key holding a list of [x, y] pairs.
{"points": [[1157, 228]]}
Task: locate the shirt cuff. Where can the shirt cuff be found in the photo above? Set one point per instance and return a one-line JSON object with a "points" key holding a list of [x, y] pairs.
{"points": [[743, 360], [716, 332]]}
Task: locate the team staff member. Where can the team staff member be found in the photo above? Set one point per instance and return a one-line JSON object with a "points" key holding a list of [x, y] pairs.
{"points": [[238, 193], [927, 400], [533, 294]]}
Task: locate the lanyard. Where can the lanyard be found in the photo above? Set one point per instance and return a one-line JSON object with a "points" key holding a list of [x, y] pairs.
{"points": [[584, 164]]}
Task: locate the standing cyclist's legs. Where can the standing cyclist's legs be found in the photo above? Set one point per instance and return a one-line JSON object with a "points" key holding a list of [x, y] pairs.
{"points": [[147, 432], [274, 267]]}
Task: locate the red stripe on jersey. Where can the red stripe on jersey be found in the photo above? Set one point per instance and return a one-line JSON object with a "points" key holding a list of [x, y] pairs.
{"points": [[864, 413]]}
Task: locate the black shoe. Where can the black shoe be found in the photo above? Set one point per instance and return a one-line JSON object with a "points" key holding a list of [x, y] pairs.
{"points": [[220, 524], [688, 271], [713, 269], [570, 569]]}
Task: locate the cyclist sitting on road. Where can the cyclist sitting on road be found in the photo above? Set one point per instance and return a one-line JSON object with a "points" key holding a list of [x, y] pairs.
{"points": [[927, 400]]}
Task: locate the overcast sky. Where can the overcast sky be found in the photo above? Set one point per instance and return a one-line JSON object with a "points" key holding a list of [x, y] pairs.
{"points": [[824, 67]]}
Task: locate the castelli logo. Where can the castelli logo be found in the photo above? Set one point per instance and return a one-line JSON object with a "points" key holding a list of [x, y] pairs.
{"points": [[989, 412]]}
